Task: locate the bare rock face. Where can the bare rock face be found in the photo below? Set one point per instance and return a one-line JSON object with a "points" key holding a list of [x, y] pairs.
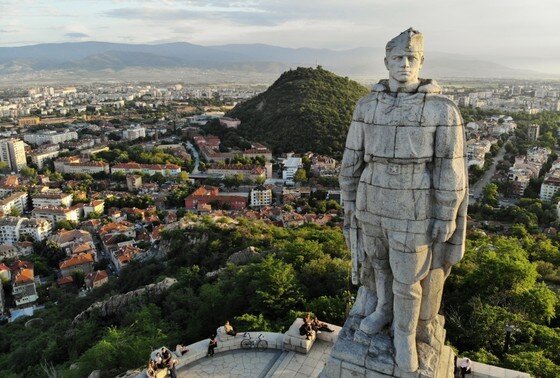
{"points": [[245, 256], [122, 303]]}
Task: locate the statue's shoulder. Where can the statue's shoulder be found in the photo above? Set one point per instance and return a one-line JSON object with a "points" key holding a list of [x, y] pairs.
{"points": [[439, 109], [363, 105], [367, 99]]}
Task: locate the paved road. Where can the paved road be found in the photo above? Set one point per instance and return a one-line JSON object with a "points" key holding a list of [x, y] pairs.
{"points": [[476, 190], [194, 152]]}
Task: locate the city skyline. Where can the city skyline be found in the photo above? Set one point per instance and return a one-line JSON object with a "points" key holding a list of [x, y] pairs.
{"points": [[513, 33]]}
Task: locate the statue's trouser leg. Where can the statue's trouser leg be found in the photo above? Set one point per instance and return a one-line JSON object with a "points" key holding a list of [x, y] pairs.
{"points": [[432, 291], [410, 260], [377, 249]]}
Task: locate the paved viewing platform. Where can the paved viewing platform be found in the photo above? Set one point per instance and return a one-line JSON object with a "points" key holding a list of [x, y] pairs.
{"points": [[260, 364], [287, 355]]}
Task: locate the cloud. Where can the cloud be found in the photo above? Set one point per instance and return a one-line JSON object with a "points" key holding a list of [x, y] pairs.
{"points": [[239, 15], [77, 35]]}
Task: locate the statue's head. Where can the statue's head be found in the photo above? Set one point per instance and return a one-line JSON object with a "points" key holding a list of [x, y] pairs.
{"points": [[404, 56]]}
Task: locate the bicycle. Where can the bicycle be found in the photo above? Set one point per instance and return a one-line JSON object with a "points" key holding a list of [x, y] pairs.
{"points": [[247, 343]]}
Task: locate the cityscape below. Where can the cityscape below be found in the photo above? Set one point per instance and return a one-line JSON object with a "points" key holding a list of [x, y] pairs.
{"points": [[189, 210]]}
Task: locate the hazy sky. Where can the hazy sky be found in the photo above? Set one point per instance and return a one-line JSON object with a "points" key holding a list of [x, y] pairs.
{"points": [[516, 33]]}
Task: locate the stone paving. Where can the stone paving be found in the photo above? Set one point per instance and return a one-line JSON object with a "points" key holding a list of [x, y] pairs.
{"points": [[269, 363]]}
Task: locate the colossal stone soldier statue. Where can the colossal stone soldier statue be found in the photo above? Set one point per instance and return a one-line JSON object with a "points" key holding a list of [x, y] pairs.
{"points": [[404, 187]]}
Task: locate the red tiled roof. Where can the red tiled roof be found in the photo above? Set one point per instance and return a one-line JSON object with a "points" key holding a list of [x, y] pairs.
{"points": [[77, 260], [24, 275], [97, 276], [65, 281]]}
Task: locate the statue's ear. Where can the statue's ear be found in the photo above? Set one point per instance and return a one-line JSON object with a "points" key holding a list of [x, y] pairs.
{"points": [[422, 61], [386, 63]]}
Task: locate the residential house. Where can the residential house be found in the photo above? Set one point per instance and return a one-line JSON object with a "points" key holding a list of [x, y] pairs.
{"points": [[260, 196], [75, 242], [24, 290], [291, 165], [149, 169], [16, 201], [56, 214], [206, 195], [95, 206], [96, 279], [82, 262], [122, 256], [52, 199]]}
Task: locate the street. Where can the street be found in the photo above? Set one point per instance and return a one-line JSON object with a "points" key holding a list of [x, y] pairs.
{"points": [[476, 190]]}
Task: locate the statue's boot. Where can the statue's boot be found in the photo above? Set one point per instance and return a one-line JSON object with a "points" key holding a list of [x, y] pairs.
{"points": [[407, 309], [383, 314], [365, 304]]}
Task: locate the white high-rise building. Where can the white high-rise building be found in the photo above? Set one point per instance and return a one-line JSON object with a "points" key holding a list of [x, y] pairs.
{"points": [[12, 152]]}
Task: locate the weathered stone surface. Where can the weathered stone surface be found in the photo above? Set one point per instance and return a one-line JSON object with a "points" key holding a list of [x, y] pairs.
{"points": [[404, 184], [245, 256], [123, 303]]}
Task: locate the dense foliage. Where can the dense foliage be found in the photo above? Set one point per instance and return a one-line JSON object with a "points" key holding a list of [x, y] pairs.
{"points": [[294, 270], [306, 109], [496, 285]]}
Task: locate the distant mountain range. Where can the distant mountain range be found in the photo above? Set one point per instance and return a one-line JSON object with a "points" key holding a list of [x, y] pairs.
{"points": [[90, 59]]}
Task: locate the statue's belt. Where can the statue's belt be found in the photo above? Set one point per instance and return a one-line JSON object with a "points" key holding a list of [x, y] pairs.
{"points": [[400, 166]]}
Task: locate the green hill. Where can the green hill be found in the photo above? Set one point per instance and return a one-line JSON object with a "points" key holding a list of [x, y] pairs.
{"points": [[307, 109]]}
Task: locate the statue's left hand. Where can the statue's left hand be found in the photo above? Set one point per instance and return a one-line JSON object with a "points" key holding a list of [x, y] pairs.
{"points": [[443, 230]]}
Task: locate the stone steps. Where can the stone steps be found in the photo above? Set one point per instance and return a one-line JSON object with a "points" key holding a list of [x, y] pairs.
{"points": [[276, 364]]}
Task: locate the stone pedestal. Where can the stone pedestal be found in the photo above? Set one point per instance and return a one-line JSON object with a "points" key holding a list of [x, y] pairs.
{"points": [[357, 355]]}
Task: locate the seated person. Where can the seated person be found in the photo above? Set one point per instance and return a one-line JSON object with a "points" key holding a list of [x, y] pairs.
{"points": [[151, 371], [229, 329], [319, 326], [159, 361], [165, 356], [181, 350], [306, 330], [212, 345], [465, 366]]}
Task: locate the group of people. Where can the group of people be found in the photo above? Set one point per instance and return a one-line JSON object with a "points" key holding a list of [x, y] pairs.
{"points": [[163, 359], [312, 326], [229, 329]]}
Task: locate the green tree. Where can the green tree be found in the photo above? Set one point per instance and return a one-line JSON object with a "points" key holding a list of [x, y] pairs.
{"points": [[300, 175], [490, 195], [533, 362], [275, 287], [250, 322], [28, 172], [183, 176]]}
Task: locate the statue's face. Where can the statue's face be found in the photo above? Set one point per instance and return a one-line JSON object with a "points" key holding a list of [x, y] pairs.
{"points": [[404, 66]]}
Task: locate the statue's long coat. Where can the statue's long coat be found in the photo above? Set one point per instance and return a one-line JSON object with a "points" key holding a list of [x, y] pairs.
{"points": [[412, 144]]}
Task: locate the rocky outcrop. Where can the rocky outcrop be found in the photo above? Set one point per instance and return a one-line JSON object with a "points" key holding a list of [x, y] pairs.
{"points": [[245, 256], [120, 304]]}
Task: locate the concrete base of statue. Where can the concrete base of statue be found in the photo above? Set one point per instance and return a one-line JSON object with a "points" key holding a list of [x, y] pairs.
{"points": [[356, 354]]}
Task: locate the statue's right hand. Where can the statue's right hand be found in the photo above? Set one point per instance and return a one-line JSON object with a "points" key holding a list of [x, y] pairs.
{"points": [[349, 211]]}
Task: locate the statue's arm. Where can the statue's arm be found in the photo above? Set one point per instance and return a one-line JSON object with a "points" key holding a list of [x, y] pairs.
{"points": [[353, 159], [450, 178]]}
